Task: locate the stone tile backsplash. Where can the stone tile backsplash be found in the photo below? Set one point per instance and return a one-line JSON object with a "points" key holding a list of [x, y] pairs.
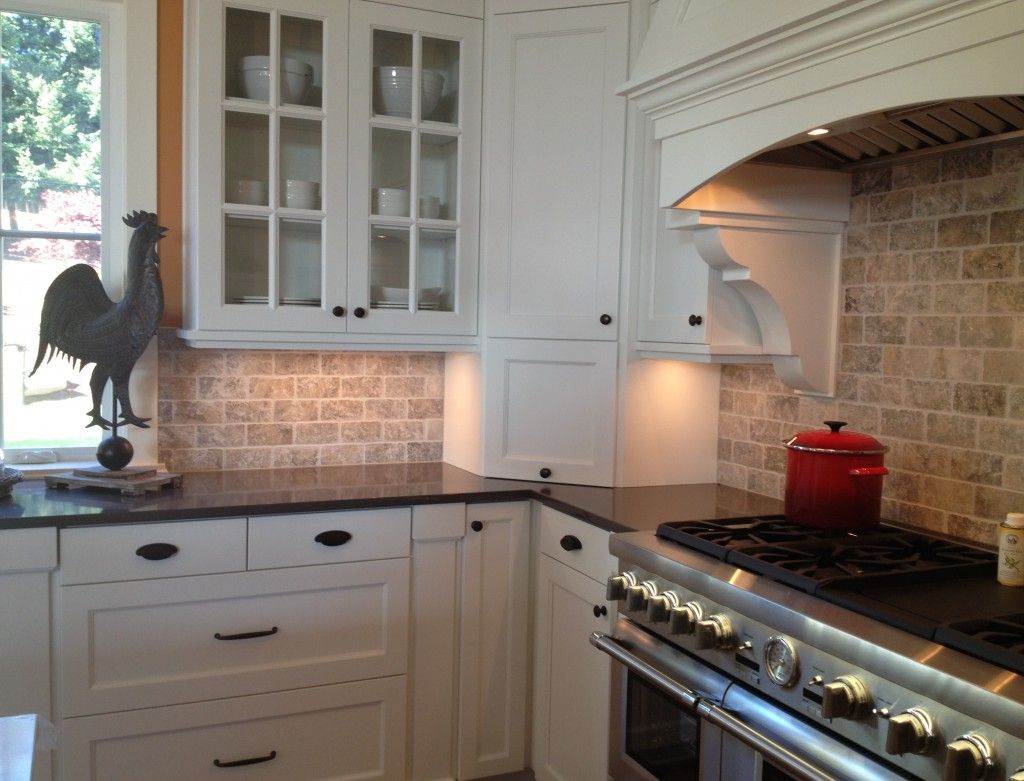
{"points": [[253, 409], [931, 347]]}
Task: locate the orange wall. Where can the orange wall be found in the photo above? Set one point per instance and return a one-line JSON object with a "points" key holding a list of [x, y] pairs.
{"points": [[170, 33]]}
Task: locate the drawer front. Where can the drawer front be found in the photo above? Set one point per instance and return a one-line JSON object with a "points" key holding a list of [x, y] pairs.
{"points": [[592, 558], [98, 554], [142, 645], [347, 731], [354, 535]]}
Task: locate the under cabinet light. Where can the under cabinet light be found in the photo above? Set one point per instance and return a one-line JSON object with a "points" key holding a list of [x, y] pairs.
{"points": [[818, 131]]}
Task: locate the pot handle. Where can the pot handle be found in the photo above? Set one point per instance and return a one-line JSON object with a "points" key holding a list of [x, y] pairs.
{"points": [[868, 471]]}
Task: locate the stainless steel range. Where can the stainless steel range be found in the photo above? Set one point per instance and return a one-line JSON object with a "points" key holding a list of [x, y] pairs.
{"points": [[753, 649]]}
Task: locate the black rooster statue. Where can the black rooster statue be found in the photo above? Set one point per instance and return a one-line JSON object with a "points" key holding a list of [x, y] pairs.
{"points": [[81, 322]]}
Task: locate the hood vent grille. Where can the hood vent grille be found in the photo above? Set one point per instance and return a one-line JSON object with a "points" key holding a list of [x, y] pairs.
{"points": [[910, 131]]}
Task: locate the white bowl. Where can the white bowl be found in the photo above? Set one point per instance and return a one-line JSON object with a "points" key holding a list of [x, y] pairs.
{"points": [[394, 91], [301, 187], [295, 201], [251, 191], [296, 78], [391, 201]]}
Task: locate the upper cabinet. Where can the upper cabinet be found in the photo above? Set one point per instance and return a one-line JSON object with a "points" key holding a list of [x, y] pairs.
{"points": [[555, 131], [414, 147], [333, 173]]}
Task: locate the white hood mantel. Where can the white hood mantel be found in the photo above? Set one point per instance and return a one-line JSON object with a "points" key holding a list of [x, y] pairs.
{"points": [[725, 79]]}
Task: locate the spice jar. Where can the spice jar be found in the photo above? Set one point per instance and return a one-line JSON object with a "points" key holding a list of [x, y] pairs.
{"points": [[1011, 550]]}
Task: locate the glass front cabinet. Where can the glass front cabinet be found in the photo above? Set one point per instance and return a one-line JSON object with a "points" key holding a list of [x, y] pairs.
{"points": [[335, 167]]}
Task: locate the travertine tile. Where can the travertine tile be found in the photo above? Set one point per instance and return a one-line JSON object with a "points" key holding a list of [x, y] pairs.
{"points": [[933, 330], [1007, 226], [886, 207], [990, 262], [974, 466], [271, 387], [953, 430], [293, 410], [346, 409], [1005, 296], [966, 164], [885, 329], [269, 434], [920, 234], [981, 331], [936, 265], [959, 297], [872, 180], [962, 231], [939, 199], [864, 299], [918, 172], [228, 435], [293, 363], [993, 192], [977, 399], [198, 412]]}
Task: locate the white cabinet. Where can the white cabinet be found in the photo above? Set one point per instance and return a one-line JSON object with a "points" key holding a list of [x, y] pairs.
{"points": [[549, 410], [343, 731], [414, 150], [333, 180], [571, 679], [268, 98], [494, 650], [298, 660], [554, 145], [27, 557]]}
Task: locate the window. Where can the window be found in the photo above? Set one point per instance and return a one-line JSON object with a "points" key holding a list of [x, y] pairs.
{"points": [[50, 179], [66, 133]]}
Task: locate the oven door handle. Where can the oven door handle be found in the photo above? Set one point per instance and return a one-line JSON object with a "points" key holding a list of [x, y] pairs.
{"points": [[642, 669], [778, 755]]}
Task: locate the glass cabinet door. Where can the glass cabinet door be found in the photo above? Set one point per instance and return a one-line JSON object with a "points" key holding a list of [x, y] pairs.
{"points": [[414, 152], [278, 94]]}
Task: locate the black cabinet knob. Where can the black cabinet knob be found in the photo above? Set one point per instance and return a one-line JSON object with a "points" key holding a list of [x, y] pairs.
{"points": [[338, 311], [600, 610], [156, 551], [695, 320], [477, 526], [606, 319], [332, 538], [243, 762], [570, 543], [359, 312], [545, 473]]}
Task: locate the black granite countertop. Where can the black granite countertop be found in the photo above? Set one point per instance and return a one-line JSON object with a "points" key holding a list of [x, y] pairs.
{"points": [[309, 489]]}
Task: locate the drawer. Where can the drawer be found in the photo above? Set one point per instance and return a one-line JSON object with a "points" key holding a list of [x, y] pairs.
{"points": [[351, 730], [97, 554], [162, 642], [353, 535], [592, 558]]}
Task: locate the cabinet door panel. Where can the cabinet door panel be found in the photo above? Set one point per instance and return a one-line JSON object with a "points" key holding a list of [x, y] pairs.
{"points": [[570, 677], [554, 161], [414, 150], [327, 733], [494, 651], [550, 405], [150, 643]]}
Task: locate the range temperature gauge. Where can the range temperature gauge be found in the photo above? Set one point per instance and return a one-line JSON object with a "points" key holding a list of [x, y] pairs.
{"points": [[780, 661]]}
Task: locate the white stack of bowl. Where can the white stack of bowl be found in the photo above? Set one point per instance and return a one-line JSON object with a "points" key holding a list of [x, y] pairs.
{"points": [[251, 191], [394, 90], [301, 194], [296, 78], [391, 201]]}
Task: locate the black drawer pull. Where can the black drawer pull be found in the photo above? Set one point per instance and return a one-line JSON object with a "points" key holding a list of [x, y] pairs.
{"points": [[156, 551], [249, 761], [333, 538], [247, 636], [600, 610], [570, 543], [477, 526]]}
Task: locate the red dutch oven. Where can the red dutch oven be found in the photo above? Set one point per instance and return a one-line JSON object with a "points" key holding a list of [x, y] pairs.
{"points": [[834, 478]]}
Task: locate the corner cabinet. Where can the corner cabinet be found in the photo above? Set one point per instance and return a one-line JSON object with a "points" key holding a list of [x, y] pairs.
{"points": [[303, 118]]}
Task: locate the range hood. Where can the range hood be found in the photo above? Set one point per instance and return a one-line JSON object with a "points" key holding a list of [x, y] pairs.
{"points": [[723, 82]]}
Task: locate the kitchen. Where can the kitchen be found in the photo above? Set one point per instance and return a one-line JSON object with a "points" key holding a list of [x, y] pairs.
{"points": [[642, 435]]}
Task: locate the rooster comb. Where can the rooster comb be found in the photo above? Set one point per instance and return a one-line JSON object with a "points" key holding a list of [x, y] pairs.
{"points": [[137, 218]]}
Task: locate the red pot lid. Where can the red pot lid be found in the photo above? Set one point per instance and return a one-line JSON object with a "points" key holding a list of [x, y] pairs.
{"points": [[836, 441]]}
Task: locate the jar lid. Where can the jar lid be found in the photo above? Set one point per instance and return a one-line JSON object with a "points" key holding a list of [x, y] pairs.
{"points": [[1016, 520], [834, 441]]}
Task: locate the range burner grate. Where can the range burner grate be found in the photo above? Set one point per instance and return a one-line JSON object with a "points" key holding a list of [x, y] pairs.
{"points": [[999, 639]]}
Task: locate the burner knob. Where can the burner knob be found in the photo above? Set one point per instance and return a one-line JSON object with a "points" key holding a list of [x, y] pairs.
{"points": [[658, 609], [1018, 774], [617, 585], [910, 732], [683, 620], [968, 758], [715, 633], [847, 697], [637, 597]]}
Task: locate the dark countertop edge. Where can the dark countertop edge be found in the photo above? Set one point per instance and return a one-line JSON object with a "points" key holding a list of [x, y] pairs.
{"points": [[226, 511]]}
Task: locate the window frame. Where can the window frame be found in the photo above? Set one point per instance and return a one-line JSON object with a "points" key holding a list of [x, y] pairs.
{"points": [[128, 169]]}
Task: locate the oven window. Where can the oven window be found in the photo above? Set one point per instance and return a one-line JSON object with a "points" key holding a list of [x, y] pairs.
{"points": [[661, 736]]}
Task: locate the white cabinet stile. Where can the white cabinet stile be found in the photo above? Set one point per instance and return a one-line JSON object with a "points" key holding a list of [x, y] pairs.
{"points": [[494, 649], [555, 133]]}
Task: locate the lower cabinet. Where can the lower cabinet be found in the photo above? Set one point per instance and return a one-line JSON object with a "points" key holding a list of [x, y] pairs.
{"points": [[342, 731], [494, 649], [571, 679]]}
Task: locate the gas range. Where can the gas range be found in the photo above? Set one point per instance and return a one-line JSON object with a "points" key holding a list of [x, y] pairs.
{"points": [[899, 643]]}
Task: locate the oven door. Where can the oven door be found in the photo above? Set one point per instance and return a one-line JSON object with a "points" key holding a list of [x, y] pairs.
{"points": [[675, 718]]}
